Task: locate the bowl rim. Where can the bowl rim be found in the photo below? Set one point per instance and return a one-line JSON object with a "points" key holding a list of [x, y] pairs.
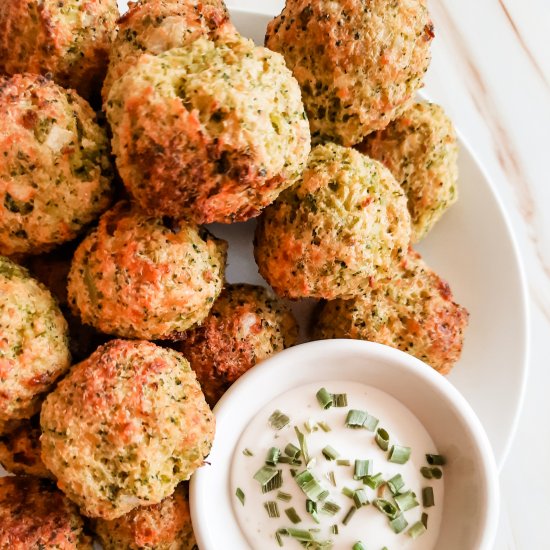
{"points": [[274, 368]]}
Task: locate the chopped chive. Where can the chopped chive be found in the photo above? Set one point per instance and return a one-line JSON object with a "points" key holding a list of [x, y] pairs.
{"points": [[278, 538], [360, 498], [348, 492], [285, 497], [437, 473], [332, 478], [382, 439], [272, 509], [325, 398], [292, 451], [240, 495], [330, 508], [427, 497], [303, 444], [349, 515], [311, 509], [276, 482], [311, 486], [416, 530], [436, 460], [278, 420], [293, 472], [312, 463], [247, 452], [292, 515], [340, 399], [324, 426], [272, 456], [386, 507], [330, 453], [424, 519], [306, 538], [355, 419], [362, 468], [343, 462], [426, 472], [406, 501], [289, 460], [395, 484], [374, 481], [308, 426], [334, 529], [358, 546], [265, 474], [398, 523], [399, 454], [370, 423]]}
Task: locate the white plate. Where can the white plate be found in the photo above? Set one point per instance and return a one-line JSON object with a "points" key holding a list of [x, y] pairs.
{"points": [[473, 248]]}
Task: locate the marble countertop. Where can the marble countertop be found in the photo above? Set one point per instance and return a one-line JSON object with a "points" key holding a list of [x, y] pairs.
{"points": [[491, 72]]}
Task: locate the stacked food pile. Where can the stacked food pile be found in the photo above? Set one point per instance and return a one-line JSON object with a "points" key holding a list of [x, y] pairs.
{"points": [[124, 284]]}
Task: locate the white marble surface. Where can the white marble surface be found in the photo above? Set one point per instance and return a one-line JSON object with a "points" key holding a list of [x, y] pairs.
{"points": [[491, 71]]}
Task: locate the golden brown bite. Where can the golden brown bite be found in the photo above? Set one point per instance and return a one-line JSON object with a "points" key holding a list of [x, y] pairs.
{"points": [[342, 225], [34, 514], [163, 526], [358, 63], [420, 149], [138, 276], [246, 325], [415, 312], [211, 132], [69, 39], [124, 427], [55, 174]]}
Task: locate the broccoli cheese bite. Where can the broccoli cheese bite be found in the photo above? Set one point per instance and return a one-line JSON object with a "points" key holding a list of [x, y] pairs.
{"points": [[137, 276], [124, 427], [415, 312], [34, 349], [246, 325], [55, 174], [163, 526], [212, 132], [156, 26], [420, 150], [342, 225], [358, 64], [34, 514], [20, 450], [69, 39]]}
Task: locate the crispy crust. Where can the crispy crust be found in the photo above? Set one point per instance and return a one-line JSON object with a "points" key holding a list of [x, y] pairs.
{"points": [[420, 149], [342, 225], [20, 450], [142, 277], [246, 325], [34, 514], [414, 312], [163, 526], [358, 63], [69, 39], [55, 175], [156, 26], [124, 427], [211, 132]]}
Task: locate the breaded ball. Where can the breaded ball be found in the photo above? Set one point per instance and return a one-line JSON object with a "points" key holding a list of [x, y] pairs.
{"points": [[358, 63], [20, 450], [163, 526], [420, 149], [34, 350], [55, 174], [124, 427], [35, 515], [69, 39], [156, 26], [343, 224], [246, 325], [414, 312], [212, 132], [137, 276]]}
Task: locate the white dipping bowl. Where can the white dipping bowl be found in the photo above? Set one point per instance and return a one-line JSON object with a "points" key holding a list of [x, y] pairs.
{"points": [[470, 509]]}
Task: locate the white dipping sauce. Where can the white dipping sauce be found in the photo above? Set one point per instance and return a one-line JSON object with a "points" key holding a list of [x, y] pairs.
{"points": [[368, 525]]}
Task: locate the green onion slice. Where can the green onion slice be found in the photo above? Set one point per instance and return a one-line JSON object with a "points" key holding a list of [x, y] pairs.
{"points": [[386, 507], [436, 460], [362, 469], [349, 515], [247, 452], [428, 497], [395, 484], [293, 515], [399, 454], [406, 501], [292, 451], [240, 495], [325, 398], [370, 423], [360, 498], [285, 497], [330, 508], [311, 509], [437, 473], [348, 492], [276, 482], [398, 523], [334, 529], [340, 399], [343, 462], [311, 486], [332, 478], [272, 456], [278, 420], [265, 474], [424, 519], [382, 439], [426, 472], [330, 453], [355, 419], [358, 546], [324, 426], [416, 530], [303, 444], [272, 509], [374, 481]]}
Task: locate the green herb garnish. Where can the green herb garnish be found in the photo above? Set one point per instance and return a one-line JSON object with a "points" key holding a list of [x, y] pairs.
{"points": [[330, 453], [374, 481], [370, 423], [349, 515], [436, 460], [360, 498], [395, 484], [240, 495], [355, 419], [303, 444], [362, 469], [398, 523], [324, 426], [278, 420], [293, 515], [399, 454], [428, 497], [358, 546], [285, 497], [272, 456], [382, 439], [248, 452], [416, 530], [340, 399], [324, 398], [272, 509], [406, 501], [330, 508], [386, 507], [276, 482], [311, 486]]}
